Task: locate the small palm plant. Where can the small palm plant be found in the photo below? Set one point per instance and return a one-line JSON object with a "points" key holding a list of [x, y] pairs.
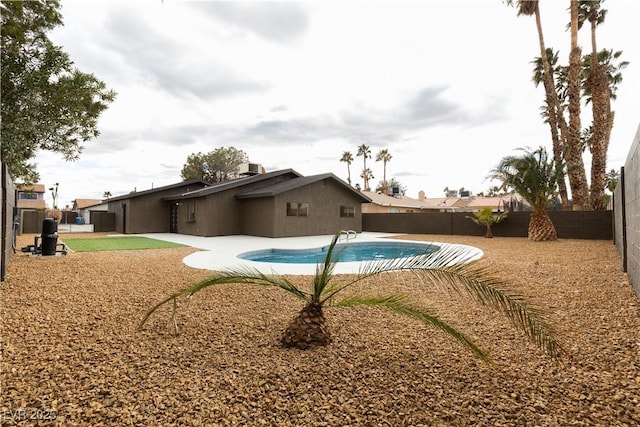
{"points": [[487, 218], [535, 177], [448, 268]]}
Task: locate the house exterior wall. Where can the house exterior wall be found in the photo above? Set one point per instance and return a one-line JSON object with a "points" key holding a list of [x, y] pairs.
{"points": [[216, 214], [219, 214], [258, 217], [146, 213], [324, 198]]}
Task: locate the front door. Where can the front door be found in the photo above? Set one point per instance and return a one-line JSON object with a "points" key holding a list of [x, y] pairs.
{"points": [[124, 218], [173, 218]]}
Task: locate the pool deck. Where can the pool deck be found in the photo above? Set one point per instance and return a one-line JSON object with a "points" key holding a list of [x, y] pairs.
{"points": [[220, 253]]}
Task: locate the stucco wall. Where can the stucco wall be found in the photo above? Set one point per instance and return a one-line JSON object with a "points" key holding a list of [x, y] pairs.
{"points": [[627, 218], [324, 199]]}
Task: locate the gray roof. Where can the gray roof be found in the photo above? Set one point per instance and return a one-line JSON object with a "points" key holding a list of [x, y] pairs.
{"points": [[292, 184], [155, 190], [227, 185]]}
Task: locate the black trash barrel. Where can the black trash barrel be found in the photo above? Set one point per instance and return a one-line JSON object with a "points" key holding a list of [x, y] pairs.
{"points": [[49, 236]]}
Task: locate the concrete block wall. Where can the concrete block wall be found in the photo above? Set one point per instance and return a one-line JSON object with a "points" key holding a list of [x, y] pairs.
{"points": [[627, 218]]}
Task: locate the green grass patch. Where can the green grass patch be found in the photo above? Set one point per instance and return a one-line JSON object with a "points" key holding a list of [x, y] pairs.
{"points": [[117, 244]]}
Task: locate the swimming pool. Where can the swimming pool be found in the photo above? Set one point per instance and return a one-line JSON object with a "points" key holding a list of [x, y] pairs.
{"points": [[343, 252]]}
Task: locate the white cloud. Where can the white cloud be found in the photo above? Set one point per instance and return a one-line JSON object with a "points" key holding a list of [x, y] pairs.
{"points": [[444, 85]]}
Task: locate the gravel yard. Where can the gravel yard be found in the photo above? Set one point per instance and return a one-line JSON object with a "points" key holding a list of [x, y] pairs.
{"points": [[72, 354]]}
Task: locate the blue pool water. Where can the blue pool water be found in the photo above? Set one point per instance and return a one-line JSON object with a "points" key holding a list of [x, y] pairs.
{"points": [[343, 252]]}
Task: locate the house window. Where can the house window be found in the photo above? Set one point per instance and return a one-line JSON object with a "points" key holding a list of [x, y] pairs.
{"points": [[347, 211], [28, 196], [191, 211], [297, 209]]}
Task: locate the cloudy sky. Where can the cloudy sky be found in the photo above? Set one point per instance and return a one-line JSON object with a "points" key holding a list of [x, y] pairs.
{"points": [[445, 86]]}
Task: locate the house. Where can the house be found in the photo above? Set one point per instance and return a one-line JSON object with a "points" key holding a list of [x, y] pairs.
{"points": [[275, 204], [84, 207], [382, 203], [30, 197]]}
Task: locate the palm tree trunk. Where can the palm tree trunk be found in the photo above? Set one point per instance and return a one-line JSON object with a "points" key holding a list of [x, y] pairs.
{"points": [[556, 120], [602, 124], [308, 329], [489, 233], [541, 228], [573, 149]]}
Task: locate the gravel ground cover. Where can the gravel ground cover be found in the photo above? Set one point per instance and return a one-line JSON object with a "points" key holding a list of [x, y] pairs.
{"points": [[72, 354]]}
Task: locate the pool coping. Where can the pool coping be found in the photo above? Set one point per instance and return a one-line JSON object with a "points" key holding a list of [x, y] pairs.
{"points": [[220, 252]]}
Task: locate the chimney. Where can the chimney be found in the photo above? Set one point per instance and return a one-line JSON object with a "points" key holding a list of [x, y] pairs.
{"points": [[421, 196]]}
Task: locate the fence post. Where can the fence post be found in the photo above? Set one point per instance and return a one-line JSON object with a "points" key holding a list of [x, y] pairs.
{"points": [[624, 220]]}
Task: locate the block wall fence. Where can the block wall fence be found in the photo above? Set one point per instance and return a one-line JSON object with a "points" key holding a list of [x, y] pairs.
{"points": [[626, 207]]}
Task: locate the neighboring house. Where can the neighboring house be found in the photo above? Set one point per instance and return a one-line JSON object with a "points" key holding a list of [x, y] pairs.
{"points": [[84, 207], [274, 204], [382, 203], [30, 197]]}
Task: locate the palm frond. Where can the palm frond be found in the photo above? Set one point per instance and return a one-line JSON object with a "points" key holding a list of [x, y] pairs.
{"points": [[396, 303], [489, 291], [324, 272], [243, 275], [450, 269]]}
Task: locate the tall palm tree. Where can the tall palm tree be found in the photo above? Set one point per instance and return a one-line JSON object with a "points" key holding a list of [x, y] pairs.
{"points": [[573, 142], [535, 177], [554, 113], [448, 268], [106, 194], [385, 157], [364, 151], [551, 114], [598, 87], [347, 157]]}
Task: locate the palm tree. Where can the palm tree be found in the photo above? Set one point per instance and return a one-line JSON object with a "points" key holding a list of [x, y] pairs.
{"points": [[385, 157], [535, 178], [573, 143], [448, 268], [364, 151], [554, 113], [487, 218], [366, 176], [598, 90], [347, 157], [612, 180], [106, 194], [551, 114]]}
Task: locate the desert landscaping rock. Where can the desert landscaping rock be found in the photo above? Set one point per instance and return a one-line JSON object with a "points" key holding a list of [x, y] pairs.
{"points": [[72, 353]]}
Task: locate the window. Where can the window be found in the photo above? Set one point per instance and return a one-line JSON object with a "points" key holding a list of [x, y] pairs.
{"points": [[191, 212], [297, 209], [347, 211], [28, 196]]}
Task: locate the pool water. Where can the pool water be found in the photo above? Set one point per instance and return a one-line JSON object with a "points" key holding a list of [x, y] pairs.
{"points": [[343, 252]]}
